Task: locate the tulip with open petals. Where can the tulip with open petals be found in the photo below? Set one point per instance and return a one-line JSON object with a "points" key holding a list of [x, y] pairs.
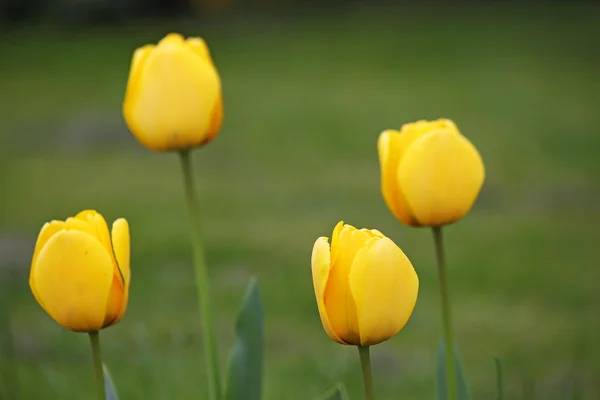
{"points": [[430, 174], [80, 272], [366, 288], [173, 99]]}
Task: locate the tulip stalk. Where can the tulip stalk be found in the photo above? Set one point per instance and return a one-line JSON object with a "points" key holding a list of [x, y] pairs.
{"points": [[95, 341], [446, 313], [365, 363], [212, 362]]}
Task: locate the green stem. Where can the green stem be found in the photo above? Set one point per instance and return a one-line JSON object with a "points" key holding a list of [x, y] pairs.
{"points": [[446, 313], [95, 341], [365, 363], [212, 362]]}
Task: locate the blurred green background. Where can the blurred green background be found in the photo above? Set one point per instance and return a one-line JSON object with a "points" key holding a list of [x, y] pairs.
{"points": [[307, 91]]}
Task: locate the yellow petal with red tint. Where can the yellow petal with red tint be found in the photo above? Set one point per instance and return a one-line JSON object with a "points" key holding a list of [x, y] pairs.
{"points": [[216, 120], [440, 177], [114, 304], [341, 309], [384, 286], [169, 106], [121, 246], [48, 230], [73, 276], [320, 273]]}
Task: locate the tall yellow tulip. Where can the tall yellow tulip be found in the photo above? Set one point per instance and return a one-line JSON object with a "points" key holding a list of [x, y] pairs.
{"points": [[366, 288], [174, 102], [173, 99], [430, 174], [80, 273]]}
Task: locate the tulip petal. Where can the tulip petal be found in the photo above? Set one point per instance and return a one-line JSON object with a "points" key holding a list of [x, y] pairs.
{"points": [[216, 120], [73, 275], [48, 230], [199, 46], [139, 55], [422, 127], [390, 148], [98, 222], [115, 302], [77, 224], [100, 231], [170, 103], [133, 83], [335, 239], [377, 233], [121, 246], [338, 299], [83, 215], [172, 38], [384, 286], [441, 176], [320, 272]]}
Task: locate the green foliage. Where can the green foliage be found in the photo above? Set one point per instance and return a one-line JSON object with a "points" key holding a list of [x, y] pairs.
{"points": [[109, 385], [338, 392], [499, 379], [245, 367], [461, 385]]}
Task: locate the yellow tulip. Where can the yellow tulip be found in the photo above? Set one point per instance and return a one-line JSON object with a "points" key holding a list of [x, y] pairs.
{"points": [[366, 288], [80, 273], [430, 174], [173, 99]]}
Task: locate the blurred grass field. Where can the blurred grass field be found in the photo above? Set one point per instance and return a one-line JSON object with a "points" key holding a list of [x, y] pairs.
{"points": [[305, 99]]}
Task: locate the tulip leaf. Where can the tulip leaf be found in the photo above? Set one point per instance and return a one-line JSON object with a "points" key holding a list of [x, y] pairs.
{"points": [[338, 392], [245, 366], [109, 386], [499, 379], [461, 385]]}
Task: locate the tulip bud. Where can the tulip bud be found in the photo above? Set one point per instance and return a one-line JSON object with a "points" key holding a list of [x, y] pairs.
{"points": [[80, 273], [173, 99], [366, 288], [430, 174]]}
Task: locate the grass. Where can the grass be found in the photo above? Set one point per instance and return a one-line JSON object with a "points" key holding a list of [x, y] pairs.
{"points": [[305, 100]]}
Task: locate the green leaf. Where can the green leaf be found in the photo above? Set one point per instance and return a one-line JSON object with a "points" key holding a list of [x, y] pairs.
{"points": [[245, 367], [499, 379], [338, 392], [461, 385], [109, 386]]}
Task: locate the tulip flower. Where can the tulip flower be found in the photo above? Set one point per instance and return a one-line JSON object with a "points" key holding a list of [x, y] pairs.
{"points": [[173, 102], [366, 288], [430, 174], [80, 273], [173, 99]]}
